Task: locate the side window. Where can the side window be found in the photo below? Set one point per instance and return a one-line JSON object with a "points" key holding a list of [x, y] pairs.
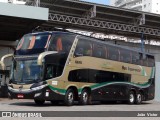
{"points": [[61, 43], [99, 51], [53, 71], [113, 53], [84, 48], [103, 76], [98, 76], [80, 75], [50, 72], [145, 61], [125, 56], [136, 58]]}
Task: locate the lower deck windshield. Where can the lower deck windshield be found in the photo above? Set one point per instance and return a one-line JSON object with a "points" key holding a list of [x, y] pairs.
{"points": [[26, 71]]}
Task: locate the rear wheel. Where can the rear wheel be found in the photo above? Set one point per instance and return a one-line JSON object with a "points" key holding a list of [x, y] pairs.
{"points": [[131, 98], [39, 102], [139, 98], [85, 97], [69, 97]]}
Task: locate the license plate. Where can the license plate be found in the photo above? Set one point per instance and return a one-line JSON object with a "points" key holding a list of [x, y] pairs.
{"points": [[20, 96]]}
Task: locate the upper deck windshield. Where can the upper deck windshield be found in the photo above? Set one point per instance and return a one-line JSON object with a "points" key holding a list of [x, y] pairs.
{"points": [[33, 43]]}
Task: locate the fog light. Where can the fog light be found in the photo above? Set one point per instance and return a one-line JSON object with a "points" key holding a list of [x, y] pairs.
{"points": [[47, 94]]}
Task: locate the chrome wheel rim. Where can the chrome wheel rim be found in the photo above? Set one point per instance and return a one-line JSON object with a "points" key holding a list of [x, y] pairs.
{"points": [[131, 98], [85, 97], [70, 97], [139, 97]]}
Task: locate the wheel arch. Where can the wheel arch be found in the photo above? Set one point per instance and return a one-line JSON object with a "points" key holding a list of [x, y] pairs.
{"points": [[75, 89], [86, 88]]}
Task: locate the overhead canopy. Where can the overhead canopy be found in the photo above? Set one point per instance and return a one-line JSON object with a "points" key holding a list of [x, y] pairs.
{"points": [[13, 28], [16, 20], [82, 15]]}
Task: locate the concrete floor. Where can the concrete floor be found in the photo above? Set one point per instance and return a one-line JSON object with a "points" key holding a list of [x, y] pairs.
{"points": [[29, 105]]}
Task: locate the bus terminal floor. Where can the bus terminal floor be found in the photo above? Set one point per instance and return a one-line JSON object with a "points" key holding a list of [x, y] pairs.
{"points": [[29, 105]]}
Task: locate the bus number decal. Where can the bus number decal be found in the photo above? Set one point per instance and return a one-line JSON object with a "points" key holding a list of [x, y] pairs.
{"points": [[54, 82], [78, 62]]}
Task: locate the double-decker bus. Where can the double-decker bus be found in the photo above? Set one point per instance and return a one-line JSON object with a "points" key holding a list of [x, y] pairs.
{"points": [[62, 66]]}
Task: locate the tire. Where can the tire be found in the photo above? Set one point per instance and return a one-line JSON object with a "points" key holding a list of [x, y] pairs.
{"points": [[69, 97], [54, 102], [39, 102], [84, 97], [131, 98], [139, 97]]}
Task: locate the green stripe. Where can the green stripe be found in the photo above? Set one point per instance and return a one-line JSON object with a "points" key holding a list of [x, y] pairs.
{"points": [[63, 91], [107, 83], [96, 86]]}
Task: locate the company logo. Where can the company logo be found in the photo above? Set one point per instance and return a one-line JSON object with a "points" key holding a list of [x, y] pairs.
{"points": [[6, 114], [21, 114], [20, 88]]}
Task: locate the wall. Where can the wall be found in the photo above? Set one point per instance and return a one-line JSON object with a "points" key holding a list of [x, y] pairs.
{"points": [[157, 90]]}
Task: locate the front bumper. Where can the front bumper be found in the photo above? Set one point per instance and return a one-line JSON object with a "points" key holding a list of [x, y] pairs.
{"points": [[38, 93]]}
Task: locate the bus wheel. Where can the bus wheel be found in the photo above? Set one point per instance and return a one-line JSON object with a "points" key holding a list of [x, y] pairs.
{"points": [[39, 102], [139, 98], [84, 98], [131, 99], [69, 97]]}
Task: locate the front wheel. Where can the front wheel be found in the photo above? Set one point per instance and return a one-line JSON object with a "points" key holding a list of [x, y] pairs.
{"points": [[69, 97], [39, 102], [84, 98], [139, 98], [131, 98]]}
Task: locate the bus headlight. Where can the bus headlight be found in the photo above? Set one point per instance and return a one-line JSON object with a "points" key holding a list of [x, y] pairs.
{"points": [[38, 86], [35, 85]]}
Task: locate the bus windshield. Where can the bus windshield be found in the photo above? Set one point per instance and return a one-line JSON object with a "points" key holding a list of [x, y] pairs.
{"points": [[26, 71], [33, 43]]}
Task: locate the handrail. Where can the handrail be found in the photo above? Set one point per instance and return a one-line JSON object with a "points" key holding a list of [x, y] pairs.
{"points": [[42, 55], [2, 60]]}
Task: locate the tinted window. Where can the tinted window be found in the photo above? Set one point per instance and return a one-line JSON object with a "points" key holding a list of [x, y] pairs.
{"points": [[113, 53], [32, 41], [136, 58], [151, 61], [32, 44], [145, 60], [61, 43], [99, 51], [125, 56], [97, 76], [84, 48], [78, 75], [53, 71]]}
